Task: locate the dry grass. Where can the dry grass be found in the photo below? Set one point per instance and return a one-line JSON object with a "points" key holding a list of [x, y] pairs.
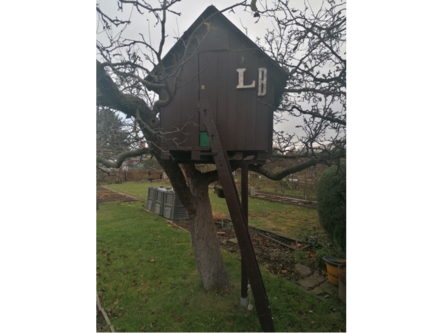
{"points": [[219, 216]]}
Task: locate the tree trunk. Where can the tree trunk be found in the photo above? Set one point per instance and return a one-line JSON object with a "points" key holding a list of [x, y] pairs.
{"points": [[205, 242], [196, 200]]}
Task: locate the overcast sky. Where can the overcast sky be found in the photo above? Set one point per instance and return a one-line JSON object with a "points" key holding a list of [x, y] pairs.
{"points": [[177, 25]]}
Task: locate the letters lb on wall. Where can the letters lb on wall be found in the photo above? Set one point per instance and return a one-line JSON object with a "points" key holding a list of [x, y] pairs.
{"points": [[262, 81]]}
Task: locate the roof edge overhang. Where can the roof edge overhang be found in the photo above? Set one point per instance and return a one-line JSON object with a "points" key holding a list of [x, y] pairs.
{"points": [[209, 12]]}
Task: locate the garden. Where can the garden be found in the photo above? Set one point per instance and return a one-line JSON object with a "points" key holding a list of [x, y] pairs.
{"points": [[147, 277]]}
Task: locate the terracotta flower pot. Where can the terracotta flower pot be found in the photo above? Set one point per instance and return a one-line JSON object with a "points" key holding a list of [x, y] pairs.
{"points": [[342, 282]]}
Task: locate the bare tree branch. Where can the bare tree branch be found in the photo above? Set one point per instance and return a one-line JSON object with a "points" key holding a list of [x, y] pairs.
{"points": [[269, 173], [121, 158]]}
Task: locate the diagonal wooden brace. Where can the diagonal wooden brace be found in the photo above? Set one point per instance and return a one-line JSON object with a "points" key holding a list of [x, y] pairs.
{"points": [[237, 216]]}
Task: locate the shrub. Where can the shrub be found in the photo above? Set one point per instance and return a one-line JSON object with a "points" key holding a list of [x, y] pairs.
{"points": [[331, 195], [301, 255], [314, 239], [319, 261]]}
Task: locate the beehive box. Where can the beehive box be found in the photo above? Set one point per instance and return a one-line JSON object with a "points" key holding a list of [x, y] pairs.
{"points": [[151, 198], [159, 201], [173, 208]]}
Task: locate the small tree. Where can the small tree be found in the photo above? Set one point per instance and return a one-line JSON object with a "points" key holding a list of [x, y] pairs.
{"points": [[113, 135], [331, 196]]}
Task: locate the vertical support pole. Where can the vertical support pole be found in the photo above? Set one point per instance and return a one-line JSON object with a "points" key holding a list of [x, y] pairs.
{"points": [[244, 190], [237, 215]]}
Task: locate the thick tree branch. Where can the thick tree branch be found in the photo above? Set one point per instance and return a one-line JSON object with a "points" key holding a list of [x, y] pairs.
{"points": [[211, 176], [105, 171], [148, 84], [278, 176], [121, 157], [108, 94], [297, 168]]}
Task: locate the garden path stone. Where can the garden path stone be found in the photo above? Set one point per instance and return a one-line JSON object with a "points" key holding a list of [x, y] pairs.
{"points": [[303, 270], [317, 291], [329, 288], [310, 282]]}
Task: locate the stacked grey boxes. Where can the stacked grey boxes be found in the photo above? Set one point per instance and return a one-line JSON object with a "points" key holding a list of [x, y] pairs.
{"points": [[151, 197], [159, 201], [173, 208]]}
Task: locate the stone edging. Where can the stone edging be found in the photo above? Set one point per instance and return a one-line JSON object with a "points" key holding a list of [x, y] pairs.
{"points": [[230, 227], [130, 196], [301, 203], [316, 287], [102, 310], [284, 196]]}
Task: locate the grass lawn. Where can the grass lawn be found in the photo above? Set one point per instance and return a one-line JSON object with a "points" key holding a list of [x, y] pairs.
{"points": [[147, 280], [276, 217]]}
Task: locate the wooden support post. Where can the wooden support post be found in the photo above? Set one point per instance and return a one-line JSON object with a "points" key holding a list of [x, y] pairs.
{"points": [[237, 216], [244, 190]]}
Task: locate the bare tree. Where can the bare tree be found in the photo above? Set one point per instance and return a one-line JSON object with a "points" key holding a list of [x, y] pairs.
{"points": [[126, 76], [112, 134], [310, 45]]}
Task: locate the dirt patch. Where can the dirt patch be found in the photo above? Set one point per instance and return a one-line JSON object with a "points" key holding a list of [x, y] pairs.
{"points": [[106, 195], [101, 323], [276, 258]]}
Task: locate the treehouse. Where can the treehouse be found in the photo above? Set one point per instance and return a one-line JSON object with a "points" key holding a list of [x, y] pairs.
{"points": [[241, 83]]}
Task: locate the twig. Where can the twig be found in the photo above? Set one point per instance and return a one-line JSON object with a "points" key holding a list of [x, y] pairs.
{"points": [[297, 247]]}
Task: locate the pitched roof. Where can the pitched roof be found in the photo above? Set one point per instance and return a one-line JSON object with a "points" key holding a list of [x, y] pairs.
{"points": [[211, 11]]}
